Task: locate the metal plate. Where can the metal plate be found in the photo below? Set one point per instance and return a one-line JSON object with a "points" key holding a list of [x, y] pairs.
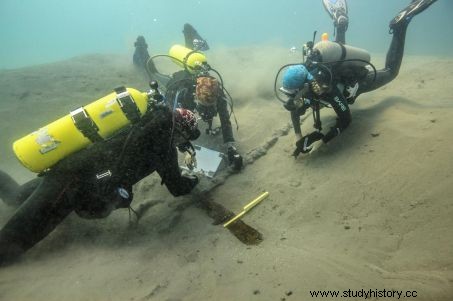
{"points": [[208, 161]]}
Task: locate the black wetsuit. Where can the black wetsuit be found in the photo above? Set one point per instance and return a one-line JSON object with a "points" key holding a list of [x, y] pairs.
{"points": [[73, 184], [141, 55], [367, 81], [181, 87]]}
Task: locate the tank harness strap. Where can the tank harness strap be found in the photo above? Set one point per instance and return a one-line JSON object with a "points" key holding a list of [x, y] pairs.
{"points": [[343, 52], [127, 104], [186, 58], [85, 124]]}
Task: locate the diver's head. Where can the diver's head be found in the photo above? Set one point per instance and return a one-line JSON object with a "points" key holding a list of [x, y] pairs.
{"points": [[294, 79], [186, 126], [140, 42]]}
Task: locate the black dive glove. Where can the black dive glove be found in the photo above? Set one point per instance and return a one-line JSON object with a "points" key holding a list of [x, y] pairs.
{"points": [[234, 158], [304, 145], [289, 105]]}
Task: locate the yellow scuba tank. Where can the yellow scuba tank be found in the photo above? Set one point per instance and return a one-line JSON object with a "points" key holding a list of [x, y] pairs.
{"points": [[187, 58], [94, 122], [333, 52]]}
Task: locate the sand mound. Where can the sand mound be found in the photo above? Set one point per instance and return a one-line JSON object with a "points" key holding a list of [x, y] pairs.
{"points": [[371, 210]]}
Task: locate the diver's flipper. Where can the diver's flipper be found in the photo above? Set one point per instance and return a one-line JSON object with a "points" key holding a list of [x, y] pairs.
{"points": [[335, 8], [193, 39], [416, 7]]}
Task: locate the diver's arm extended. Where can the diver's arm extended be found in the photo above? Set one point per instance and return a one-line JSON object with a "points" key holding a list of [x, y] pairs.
{"points": [[168, 169], [224, 116]]}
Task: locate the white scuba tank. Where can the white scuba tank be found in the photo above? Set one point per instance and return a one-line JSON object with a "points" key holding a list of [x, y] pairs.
{"points": [[333, 52]]}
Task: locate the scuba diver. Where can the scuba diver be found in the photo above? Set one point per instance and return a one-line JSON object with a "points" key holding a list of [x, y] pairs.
{"points": [[335, 74], [193, 40], [98, 179], [203, 94], [141, 55], [199, 91]]}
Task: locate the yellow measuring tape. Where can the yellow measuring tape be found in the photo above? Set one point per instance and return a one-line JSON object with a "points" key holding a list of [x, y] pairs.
{"points": [[247, 208]]}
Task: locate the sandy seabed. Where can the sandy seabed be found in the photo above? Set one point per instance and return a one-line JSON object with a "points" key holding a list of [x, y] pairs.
{"points": [[372, 210]]}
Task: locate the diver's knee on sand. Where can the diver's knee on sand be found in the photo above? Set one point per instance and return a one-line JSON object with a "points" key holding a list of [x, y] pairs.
{"points": [[9, 189], [9, 252], [41, 212]]}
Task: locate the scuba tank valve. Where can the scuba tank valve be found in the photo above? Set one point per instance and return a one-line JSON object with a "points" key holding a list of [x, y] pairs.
{"points": [[154, 93]]}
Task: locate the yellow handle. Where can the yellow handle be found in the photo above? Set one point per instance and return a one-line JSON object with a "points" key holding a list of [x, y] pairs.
{"points": [[247, 207], [234, 219], [256, 201]]}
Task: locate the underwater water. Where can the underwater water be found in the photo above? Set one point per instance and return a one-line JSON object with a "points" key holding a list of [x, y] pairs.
{"points": [[39, 31], [369, 211]]}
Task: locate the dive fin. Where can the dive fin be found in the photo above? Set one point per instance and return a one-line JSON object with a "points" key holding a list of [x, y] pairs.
{"points": [[333, 7], [416, 7]]}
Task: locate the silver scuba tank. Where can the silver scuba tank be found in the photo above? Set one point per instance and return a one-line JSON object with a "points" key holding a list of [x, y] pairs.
{"points": [[333, 52]]}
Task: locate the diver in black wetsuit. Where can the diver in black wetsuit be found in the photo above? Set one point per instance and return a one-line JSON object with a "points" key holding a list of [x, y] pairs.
{"points": [[204, 94], [197, 92], [307, 81], [192, 38], [98, 179], [141, 54]]}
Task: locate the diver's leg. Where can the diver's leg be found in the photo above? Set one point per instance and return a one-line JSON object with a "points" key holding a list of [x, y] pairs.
{"points": [[35, 218], [14, 194], [142, 60], [392, 64], [225, 123], [338, 11], [341, 108], [398, 27], [9, 189], [227, 131], [295, 119], [150, 68], [26, 190]]}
